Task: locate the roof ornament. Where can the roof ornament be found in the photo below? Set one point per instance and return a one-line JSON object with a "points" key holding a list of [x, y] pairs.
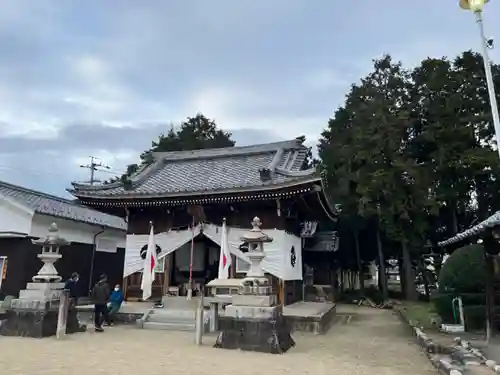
{"points": [[301, 139], [265, 174]]}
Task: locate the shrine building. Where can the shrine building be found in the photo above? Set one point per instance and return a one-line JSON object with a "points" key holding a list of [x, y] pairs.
{"points": [[186, 194]]}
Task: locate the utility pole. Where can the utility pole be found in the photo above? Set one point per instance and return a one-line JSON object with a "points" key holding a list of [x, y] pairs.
{"points": [[94, 166]]}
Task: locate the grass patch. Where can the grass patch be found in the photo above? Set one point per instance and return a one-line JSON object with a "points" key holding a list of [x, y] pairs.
{"points": [[421, 314]]}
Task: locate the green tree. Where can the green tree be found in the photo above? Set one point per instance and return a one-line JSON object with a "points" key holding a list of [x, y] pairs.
{"points": [[198, 132], [367, 149], [453, 136], [476, 113]]}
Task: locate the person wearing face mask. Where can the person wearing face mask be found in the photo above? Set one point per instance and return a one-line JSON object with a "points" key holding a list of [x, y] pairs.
{"points": [[71, 286], [115, 302]]}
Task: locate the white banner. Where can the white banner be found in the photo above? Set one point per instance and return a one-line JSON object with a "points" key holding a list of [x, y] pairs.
{"points": [[281, 260], [168, 242]]}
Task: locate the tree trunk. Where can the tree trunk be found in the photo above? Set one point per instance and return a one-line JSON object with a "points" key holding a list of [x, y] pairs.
{"points": [[382, 276], [438, 264], [342, 286], [410, 287], [402, 280], [454, 221], [425, 279], [360, 263]]}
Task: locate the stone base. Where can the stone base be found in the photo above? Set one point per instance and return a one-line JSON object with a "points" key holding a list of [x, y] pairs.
{"points": [[41, 291], [37, 324], [266, 336]]}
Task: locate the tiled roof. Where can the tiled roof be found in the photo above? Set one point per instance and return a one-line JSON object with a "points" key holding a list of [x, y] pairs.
{"points": [[211, 171], [491, 222], [47, 204]]}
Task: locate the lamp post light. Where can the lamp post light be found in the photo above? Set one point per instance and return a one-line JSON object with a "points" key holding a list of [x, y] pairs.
{"points": [[477, 7]]}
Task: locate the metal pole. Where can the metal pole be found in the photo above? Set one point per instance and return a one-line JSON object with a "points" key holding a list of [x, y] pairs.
{"points": [[190, 287], [489, 79]]}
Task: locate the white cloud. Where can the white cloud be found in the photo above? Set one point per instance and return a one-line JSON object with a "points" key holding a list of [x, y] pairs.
{"points": [[225, 103], [325, 79], [277, 69]]}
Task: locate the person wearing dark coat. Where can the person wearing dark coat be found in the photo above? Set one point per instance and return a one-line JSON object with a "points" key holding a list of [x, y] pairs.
{"points": [[100, 297], [71, 286]]}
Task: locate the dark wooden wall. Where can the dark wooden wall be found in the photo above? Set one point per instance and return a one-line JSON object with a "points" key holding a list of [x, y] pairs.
{"points": [[14, 250], [238, 215], [23, 264], [293, 291], [110, 264]]}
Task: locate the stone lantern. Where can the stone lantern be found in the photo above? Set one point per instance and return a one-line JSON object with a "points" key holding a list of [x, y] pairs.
{"points": [[49, 255], [254, 321], [35, 313], [256, 240]]}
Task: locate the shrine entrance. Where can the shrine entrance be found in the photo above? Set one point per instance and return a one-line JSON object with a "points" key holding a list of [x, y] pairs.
{"points": [[172, 271]]}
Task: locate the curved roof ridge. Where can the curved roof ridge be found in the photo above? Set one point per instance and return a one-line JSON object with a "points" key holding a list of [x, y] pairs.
{"points": [[301, 173], [161, 157], [228, 151]]}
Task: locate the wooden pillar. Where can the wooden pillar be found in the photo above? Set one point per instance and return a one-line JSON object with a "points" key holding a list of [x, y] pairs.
{"points": [[168, 270], [281, 292], [491, 249], [125, 287], [232, 269]]}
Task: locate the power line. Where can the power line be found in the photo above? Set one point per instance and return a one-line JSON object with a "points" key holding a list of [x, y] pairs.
{"points": [[94, 166], [45, 173]]}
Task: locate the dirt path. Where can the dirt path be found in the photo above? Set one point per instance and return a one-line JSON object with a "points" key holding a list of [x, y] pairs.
{"points": [[374, 342]]}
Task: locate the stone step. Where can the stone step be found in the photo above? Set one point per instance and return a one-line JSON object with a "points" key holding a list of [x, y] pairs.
{"points": [[179, 320], [179, 303], [177, 316], [166, 314], [170, 326]]}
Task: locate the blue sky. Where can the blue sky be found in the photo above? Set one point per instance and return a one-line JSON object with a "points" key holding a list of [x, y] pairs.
{"points": [[104, 77]]}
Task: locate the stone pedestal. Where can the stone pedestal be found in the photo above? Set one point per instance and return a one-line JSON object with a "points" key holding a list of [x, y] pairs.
{"points": [[35, 312], [254, 321], [254, 324]]}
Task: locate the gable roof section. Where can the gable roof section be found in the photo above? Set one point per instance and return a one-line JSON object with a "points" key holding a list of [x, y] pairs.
{"points": [[52, 205], [213, 171]]}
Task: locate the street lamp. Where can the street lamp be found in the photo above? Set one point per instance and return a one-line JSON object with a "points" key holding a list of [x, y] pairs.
{"points": [[477, 6]]}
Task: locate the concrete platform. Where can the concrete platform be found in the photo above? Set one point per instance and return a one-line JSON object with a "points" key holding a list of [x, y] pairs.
{"points": [[128, 314], [315, 317]]}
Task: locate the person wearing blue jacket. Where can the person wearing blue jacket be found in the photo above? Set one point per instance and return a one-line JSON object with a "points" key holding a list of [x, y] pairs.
{"points": [[115, 302]]}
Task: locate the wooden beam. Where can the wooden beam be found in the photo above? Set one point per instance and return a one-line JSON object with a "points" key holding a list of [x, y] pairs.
{"points": [[125, 287]]}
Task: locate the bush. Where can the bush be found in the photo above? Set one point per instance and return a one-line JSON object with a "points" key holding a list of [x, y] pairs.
{"points": [[475, 316], [463, 275]]}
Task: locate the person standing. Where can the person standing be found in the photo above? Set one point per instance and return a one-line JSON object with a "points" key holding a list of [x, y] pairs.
{"points": [[115, 302], [100, 297], [71, 286]]}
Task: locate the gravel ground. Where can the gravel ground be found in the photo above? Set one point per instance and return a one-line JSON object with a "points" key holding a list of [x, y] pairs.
{"points": [[373, 342]]}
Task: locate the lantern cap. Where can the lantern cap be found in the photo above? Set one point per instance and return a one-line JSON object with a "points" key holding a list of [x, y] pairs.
{"points": [[256, 234]]}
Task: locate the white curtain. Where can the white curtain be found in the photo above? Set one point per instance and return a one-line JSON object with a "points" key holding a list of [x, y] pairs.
{"points": [[278, 252], [168, 242]]}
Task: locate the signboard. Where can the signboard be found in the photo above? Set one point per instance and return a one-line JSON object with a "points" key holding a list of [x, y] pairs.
{"points": [[325, 241], [160, 265], [3, 268]]}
